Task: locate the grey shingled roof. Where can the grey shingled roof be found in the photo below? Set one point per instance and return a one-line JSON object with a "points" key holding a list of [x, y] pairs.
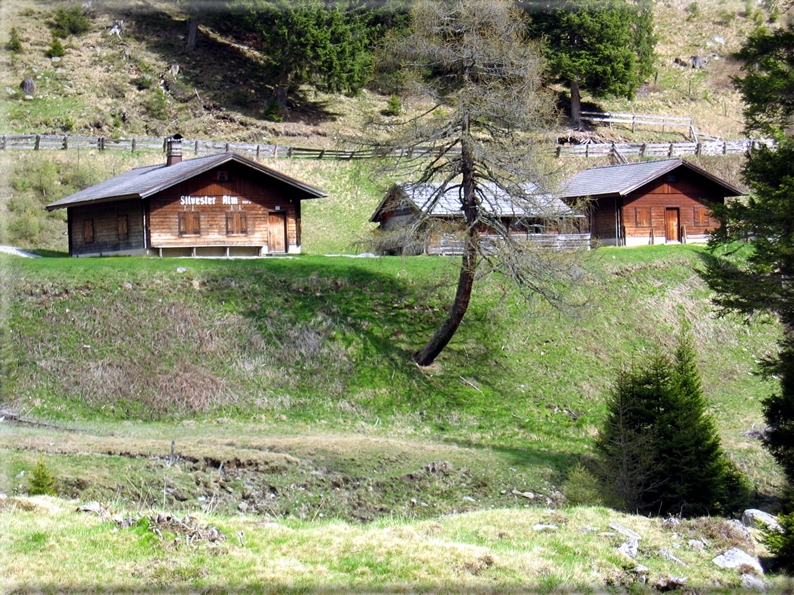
{"points": [[623, 179], [146, 181], [494, 200]]}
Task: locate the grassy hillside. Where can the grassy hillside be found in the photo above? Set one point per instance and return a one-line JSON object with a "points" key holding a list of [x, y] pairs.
{"points": [[284, 390], [313, 339], [106, 85]]}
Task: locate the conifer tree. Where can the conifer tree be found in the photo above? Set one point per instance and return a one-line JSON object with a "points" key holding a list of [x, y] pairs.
{"points": [[659, 448]]}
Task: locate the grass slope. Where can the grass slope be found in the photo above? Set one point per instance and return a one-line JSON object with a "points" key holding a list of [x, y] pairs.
{"points": [[324, 342]]}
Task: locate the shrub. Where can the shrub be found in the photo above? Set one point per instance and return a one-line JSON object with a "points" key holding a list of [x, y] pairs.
{"points": [[394, 107], [659, 451], [581, 487], [42, 482], [692, 11], [781, 544], [56, 49], [70, 21], [14, 44]]}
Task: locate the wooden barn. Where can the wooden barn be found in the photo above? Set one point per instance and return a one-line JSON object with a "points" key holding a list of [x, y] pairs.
{"points": [[651, 202], [221, 205], [419, 218]]}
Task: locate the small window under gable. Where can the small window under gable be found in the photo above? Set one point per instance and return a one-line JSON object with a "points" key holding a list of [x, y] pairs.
{"points": [[671, 177], [222, 175]]}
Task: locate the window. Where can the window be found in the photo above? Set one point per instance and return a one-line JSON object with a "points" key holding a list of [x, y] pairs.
{"points": [[123, 227], [671, 178], [702, 218], [88, 231], [642, 216], [236, 223], [222, 176], [189, 223]]}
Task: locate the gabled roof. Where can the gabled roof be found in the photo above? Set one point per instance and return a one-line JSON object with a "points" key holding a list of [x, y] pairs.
{"points": [[494, 200], [626, 178], [142, 182]]}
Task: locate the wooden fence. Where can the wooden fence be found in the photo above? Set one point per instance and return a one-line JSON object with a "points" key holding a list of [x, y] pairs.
{"points": [[633, 120], [44, 142]]}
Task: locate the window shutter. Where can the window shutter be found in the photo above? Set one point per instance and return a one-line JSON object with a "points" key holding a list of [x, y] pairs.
{"points": [[123, 227], [642, 216], [196, 224], [229, 224], [243, 223], [88, 231]]}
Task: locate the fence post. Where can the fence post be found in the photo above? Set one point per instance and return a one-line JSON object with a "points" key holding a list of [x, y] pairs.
{"points": [[643, 148], [289, 152], [195, 148], [633, 122], [37, 144], [670, 152], [5, 142], [101, 143], [257, 152], [65, 143], [698, 148]]}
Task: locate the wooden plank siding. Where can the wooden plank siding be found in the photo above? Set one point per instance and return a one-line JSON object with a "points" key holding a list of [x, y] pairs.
{"points": [[215, 194], [645, 210], [103, 220]]}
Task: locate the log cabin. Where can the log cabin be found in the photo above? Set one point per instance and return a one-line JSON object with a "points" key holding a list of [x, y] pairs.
{"points": [[426, 219], [220, 205], [650, 202]]}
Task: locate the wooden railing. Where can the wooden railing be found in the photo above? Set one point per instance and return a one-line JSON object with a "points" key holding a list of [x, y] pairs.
{"points": [[633, 120], [45, 142]]}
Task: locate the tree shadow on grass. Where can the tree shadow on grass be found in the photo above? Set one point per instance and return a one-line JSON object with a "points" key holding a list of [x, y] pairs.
{"points": [[218, 73]]}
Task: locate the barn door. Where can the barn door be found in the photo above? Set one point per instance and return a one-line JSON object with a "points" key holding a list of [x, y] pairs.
{"points": [[277, 232], [671, 226]]}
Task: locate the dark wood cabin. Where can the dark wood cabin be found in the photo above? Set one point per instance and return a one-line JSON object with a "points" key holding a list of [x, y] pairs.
{"points": [[221, 205], [426, 219], [651, 202]]}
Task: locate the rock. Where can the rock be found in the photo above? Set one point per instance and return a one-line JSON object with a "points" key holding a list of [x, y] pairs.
{"points": [[630, 548], [734, 558], [527, 495], [671, 522], [669, 583], [544, 528], [181, 270], [758, 519], [753, 583], [469, 499], [698, 545], [668, 555], [242, 506], [588, 530], [625, 531], [737, 524]]}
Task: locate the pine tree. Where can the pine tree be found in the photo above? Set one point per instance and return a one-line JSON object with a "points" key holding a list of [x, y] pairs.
{"points": [[605, 46], [659, 449]]}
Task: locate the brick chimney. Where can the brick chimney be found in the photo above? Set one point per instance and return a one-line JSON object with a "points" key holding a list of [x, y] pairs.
{"points": [[173, 150]]}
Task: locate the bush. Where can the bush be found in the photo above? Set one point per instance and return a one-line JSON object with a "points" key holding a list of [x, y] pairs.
{"points": [[56, 49], [14, 43], [42, 482], [781, 545], [70, 21], [581, 487], [394, 107], [659, 451]]}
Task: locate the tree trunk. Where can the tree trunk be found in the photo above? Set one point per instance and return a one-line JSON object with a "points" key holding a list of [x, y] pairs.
{"points": [[576, 106], [192, 32], [281, 99], [442, 336]]}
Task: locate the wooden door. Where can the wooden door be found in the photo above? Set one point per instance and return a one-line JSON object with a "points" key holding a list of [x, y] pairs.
{"points": [[671, 219], [277, 229]]}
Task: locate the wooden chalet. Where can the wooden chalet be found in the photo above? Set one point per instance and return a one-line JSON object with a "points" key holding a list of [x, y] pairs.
{"points": [[423, 218], [220, 205], [651, 202]]}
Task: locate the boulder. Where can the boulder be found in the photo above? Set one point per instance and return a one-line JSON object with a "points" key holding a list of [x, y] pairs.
{"points": [[630, 548], [734, 558], [750, 582], [758, 519], [625, 531]]}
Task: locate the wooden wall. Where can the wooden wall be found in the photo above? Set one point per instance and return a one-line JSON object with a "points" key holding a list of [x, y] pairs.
{"points": [[644, 211], [256, 195], [104, 221]]}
